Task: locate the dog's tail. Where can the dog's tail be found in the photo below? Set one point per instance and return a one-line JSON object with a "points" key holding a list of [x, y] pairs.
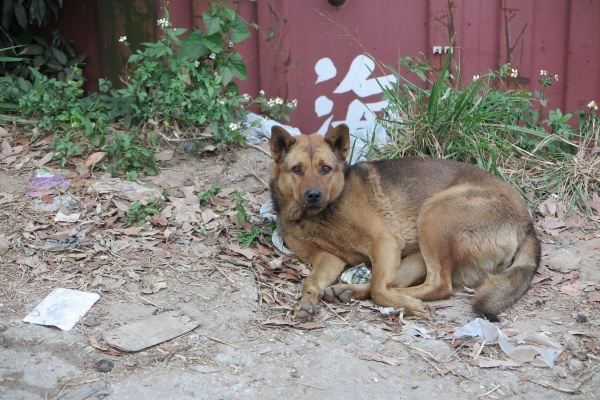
{"points": [[502, 290]]}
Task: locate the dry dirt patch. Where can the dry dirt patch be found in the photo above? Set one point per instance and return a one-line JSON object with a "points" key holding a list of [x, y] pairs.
{"points": [[246, 345]]}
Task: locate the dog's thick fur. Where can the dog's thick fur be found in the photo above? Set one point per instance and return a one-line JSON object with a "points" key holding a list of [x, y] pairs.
{"points": [[423, 225]]}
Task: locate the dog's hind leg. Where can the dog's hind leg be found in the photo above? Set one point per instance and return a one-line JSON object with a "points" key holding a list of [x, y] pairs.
{"points": [[411, 271]]}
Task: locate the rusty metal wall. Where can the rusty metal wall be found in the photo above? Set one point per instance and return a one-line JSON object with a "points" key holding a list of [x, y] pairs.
{"points": [[314, 52]]}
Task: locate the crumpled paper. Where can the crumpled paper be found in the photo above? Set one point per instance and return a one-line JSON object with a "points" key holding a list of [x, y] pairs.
{"points": [[542, 352]]}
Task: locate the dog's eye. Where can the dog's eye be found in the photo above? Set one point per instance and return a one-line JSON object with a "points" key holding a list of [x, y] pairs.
{"points": [[325, 169], [297, 170]]}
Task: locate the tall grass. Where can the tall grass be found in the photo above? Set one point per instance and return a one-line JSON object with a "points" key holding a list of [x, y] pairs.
{"points": [[482, 122]]}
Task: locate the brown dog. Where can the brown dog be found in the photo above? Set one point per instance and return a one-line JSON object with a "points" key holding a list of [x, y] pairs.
{"points": [[423, 225]]}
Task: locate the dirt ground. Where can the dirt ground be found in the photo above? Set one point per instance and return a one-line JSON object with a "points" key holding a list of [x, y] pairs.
{"points": [[246, 344]]}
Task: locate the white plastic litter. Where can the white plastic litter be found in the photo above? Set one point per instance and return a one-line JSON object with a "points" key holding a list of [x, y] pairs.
{"points": [[62, 308], [415, 330], [356, 275], [541, 353], [263, 130]]}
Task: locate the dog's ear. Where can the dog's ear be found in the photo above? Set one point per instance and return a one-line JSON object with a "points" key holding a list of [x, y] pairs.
{"points": [[339, 140], [281, 142]]}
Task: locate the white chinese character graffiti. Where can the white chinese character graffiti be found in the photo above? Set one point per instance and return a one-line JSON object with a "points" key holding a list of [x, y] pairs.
{"points": [[357, 80]]}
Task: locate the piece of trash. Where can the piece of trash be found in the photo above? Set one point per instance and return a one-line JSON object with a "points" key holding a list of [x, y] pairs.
{"points": [[104, 365], [149, 332], [415, 330], [47, 181], [262, 128], [58, 202], [60, 217], [390, 310], [88, 391], [541, 353], [279, 244], [267, 211], [62, 308], [357, 275], [124, 189]]}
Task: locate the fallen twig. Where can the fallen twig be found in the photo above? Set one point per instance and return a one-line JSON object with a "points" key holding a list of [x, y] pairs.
{"points": [[222, 342]]}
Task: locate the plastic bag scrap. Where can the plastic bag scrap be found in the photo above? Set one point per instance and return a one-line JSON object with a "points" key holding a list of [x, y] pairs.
{"points": [[48, 181], [541, 353], [62, 308], [356, 275], [361, 141], [263, 128]]}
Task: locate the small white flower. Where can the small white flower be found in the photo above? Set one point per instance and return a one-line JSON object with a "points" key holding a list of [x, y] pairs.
{"points": [[123, 39], [279, 101], [216, 74], [230, 44], [197, 63], [212, 56], [556, 77], [514, 72], [262, 92], [270, 103], [476, 77], [543, 72], [246, 96], [233, 127], [222, 102], [593, 105], [163, 22]]}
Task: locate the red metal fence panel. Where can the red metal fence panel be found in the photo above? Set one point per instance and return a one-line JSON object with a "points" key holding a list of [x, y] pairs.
{"points": [[313, 52]]}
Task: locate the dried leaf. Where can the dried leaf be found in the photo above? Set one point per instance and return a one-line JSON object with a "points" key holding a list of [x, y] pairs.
{"points": [[164, 155], [595, 298], [44, 160], [105, 350], [380, 358], [158, 285], [548, 207], [246, 252], [94, 158], [571, 290], [309, 325], [131, 231]]}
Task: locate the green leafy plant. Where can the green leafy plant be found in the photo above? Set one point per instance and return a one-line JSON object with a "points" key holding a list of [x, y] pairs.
{"points": [[238, 198], [25, 43], [249, 238], [176, 83], [65, 147], [128, 154], [138, 211], [207, 194]]}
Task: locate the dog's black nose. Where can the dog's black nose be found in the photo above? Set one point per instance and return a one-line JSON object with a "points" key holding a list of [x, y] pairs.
{"points": [[313, 195]]}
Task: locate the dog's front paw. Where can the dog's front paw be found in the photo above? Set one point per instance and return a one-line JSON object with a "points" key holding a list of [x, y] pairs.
{"points": [[307, 311], [336, 294], [425, 313]]}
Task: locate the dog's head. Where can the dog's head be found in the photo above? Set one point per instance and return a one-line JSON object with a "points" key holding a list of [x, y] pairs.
{"points": [[308, 173]]}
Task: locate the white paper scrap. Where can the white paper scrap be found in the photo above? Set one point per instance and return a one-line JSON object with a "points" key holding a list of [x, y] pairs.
{"points": [[62, 308]]}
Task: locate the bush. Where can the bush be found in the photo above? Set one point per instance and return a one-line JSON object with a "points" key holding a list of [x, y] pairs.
{"points": [[174, 88]]}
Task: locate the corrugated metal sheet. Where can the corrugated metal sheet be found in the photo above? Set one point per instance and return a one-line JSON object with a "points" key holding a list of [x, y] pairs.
{"points": [[314, 52]]}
